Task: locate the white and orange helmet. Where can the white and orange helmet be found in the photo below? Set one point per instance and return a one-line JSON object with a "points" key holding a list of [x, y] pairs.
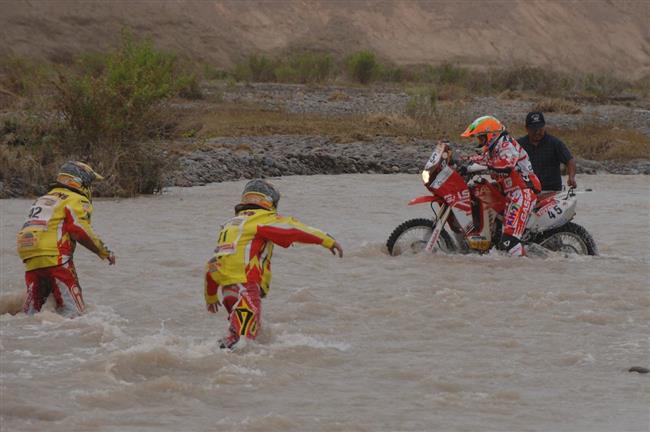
{"points": [[489, 126]]}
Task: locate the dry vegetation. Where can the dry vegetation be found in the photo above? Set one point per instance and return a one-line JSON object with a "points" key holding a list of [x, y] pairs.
{"points": [[603, 142], [557, 105], [242, 120], [113, 109]]}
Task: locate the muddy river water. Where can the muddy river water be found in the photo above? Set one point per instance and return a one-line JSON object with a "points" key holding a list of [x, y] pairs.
{"points": [[364, 343]]}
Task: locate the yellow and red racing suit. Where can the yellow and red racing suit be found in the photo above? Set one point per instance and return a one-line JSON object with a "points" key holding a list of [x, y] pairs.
{"points": [[46, 244], [56, 222], [241, 265], [245, 246]]}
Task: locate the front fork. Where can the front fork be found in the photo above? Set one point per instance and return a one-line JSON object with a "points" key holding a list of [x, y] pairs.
{"points": [[432, 245]]}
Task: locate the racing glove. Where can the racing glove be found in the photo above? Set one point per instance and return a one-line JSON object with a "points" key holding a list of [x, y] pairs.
{"points": [[214, 307]]}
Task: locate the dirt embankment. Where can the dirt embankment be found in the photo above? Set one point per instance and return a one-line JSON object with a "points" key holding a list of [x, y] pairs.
{"points": [[587, 36]]}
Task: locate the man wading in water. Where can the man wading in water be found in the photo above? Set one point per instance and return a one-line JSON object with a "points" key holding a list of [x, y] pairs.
{"points": [[49, 236], [241, 266]]}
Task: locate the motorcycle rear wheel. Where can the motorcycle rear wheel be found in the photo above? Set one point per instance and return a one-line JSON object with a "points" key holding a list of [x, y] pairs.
{"points": [[570, 238], [413, 235]]}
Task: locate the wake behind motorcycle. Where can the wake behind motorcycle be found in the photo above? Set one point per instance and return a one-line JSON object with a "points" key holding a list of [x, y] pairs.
{"points": [[468, 214]]}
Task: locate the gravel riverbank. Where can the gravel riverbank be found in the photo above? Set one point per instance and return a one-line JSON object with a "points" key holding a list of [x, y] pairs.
{"points": [[230, 158]]}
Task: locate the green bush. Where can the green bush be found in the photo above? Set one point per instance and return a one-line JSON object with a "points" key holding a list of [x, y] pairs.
{"points": [[119, 103], [362, 66], [307, 67], [92, 63], [304, 68], [449, 73], [262, 69], [286, 74], [23, 77], [114, 103], [388, 73], [256, 68], [443, 74]]}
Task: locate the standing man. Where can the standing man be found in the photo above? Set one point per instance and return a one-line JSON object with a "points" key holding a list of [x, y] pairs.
{"points": [[57, 221], [546, 152]]}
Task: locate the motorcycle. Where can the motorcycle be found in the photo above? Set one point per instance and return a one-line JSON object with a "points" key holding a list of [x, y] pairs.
{"points": [[468, 213]]}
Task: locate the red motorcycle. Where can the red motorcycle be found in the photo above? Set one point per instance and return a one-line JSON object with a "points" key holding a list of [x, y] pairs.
{"points": [[468, 213]]}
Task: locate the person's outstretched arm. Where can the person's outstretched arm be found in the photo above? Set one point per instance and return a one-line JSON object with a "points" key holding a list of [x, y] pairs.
{"points": [[285, 231]]}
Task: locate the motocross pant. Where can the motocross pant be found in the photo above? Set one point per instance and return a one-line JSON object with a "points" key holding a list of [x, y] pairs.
{"points": [[243, 303], [520, 203], [62, 282]]}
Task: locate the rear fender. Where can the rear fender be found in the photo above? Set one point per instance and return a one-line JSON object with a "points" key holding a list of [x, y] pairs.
{"points": [[553, 213], [425, 199]]}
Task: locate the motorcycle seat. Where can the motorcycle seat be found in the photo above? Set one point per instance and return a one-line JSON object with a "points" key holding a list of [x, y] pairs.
{"points": [[544, 199]]}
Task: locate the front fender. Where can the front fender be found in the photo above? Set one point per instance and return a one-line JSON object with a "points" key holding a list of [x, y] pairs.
{"points": [[425, 199]]}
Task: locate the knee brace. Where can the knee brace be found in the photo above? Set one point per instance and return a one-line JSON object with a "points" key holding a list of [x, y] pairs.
{"points": [[510, 244]]}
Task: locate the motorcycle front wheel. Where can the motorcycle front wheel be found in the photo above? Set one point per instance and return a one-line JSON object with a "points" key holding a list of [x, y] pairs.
{"points": [[412, 236], [570, 238]]}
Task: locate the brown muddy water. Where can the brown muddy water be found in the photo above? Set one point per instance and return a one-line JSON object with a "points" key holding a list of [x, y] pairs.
{"points": [[364, 343]]}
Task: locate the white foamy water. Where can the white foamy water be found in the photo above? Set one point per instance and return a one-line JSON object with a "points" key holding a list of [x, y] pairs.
{"points": [[366, 343]]}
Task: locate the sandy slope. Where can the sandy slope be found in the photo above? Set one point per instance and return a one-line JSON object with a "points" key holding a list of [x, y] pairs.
{"points": [[589, 35]]}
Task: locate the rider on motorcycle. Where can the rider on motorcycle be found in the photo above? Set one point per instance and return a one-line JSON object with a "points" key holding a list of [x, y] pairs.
{"points": [[511, 168]]}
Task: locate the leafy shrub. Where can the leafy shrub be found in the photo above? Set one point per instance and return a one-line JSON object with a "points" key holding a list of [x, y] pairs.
{"points": [[311, 67], [286, 74], [388, 73], [304, 68], [120, 103], [443, 74], [362, 66], [241, 72], [256, 68], [103, 109], [23, 77], [262, 68], [449, 73]]}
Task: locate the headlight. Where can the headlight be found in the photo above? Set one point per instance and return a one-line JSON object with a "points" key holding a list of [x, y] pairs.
{"points": [[425, 176]]}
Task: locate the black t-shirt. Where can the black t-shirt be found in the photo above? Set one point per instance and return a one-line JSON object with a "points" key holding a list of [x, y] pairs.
{"points": [[546, 158]]}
